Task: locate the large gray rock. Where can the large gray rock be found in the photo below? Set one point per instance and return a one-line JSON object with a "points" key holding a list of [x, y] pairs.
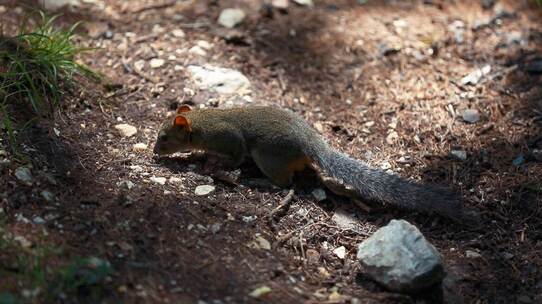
{"points": [[400, 258], [220, 80]]}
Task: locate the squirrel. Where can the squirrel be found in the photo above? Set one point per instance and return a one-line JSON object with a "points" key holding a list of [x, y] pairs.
{"points": [[281, 143]]}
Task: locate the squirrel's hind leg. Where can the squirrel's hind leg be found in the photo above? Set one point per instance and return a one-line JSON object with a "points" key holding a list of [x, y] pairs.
{"points": [[279, 168]]}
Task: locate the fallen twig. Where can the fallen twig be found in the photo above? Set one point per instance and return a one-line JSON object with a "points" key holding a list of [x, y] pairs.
{"points": [[285, 202]]}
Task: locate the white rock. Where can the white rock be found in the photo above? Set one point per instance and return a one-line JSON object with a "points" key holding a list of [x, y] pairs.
{"points": [[53, 5], [47, 195], [475, 76], [304, 2], [178, 33], [280, 4], [197, 50], [139, 65], [204, 190], [139, 147], [24, 175], [22, 241], [220, 80], [158, 180], [471, 254], [126, 184], [126, 130], [319, 194], [400, 258], [156, 63], [230, 17], [204, 44], [340, 252]]}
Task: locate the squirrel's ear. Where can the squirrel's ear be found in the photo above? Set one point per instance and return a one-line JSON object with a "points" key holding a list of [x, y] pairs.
{"points": [[183, 108], [182, 121]]}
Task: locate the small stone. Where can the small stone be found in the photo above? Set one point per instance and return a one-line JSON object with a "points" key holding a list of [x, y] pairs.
{"points": [[139, 147], [340, 252], [343, 219], [38, 220], [175, 180], [126, 184], [2, 9], [475, 76], [319, 194], [178, 33], [471, 115], [459, 154], [260, 291], [197, 50], [471, 254], [304, 2], [24, 175], [22, 241], [158, 180], [126, 130], [260, 242], [215, 228], [280, 4], [204, 45], [47, 195], [400, 258], [231, 17], [156, 63], [139, 65], [386, 50], [204, 190], [248, 219], [53, 5]]}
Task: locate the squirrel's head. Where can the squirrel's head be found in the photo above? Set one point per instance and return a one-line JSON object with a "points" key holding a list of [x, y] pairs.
{"points": [[174, 135]]}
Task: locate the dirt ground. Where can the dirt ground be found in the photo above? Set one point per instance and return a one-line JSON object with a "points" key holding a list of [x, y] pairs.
{"points": [[381, 81]]}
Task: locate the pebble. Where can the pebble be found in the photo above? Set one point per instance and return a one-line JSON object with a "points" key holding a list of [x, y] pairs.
{"points": [[38, 220], [139, 65], [24, 175], [459, 154], [471, 254], [47, 195], [204, 190], [260, 291], [22, 241], [197, 50], [215, 228], [126, 184], [260, 242], [126, 130], [139, 147], [204, 45], [475, 76], [471, 115], [319, 194], [231, 17], [343, 219], [340, 252], [304, 2], [280, 4], [157, 63], [158, 180], [178, 33]]}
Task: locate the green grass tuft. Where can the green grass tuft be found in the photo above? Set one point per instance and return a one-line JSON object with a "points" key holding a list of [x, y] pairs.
{"points": [[36, 66]]}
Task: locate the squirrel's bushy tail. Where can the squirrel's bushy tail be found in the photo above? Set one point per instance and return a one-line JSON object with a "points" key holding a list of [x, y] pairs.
{"points": [[377, 185]]}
